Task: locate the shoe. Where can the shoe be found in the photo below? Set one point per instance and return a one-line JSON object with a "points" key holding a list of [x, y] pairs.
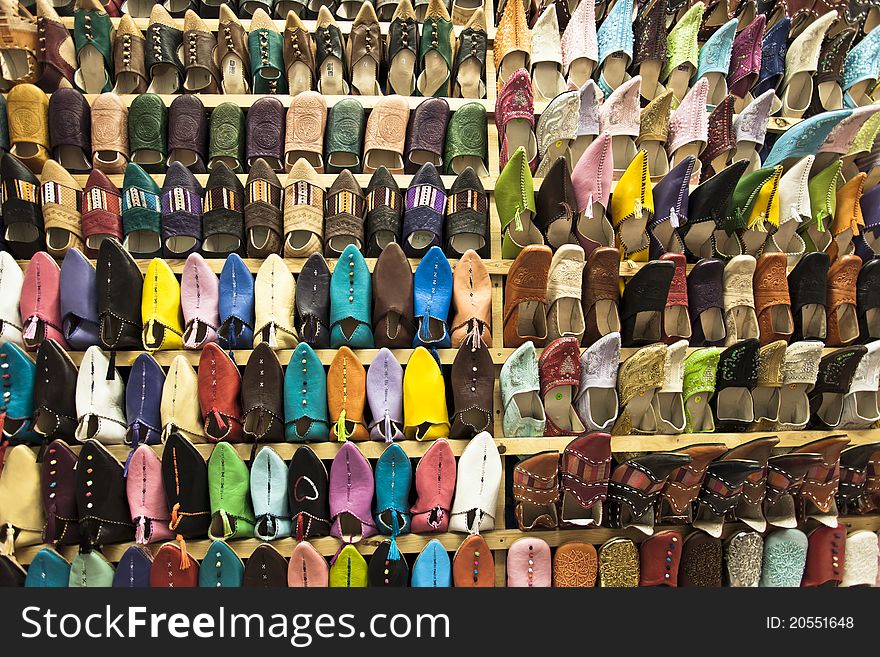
{"points": [[92, 37], [706, 303], [823, 188], [266, 48], [557, 130], [615, 36], [100, 400], [721, 492], [685, 483], [526, 297], [653, 133], [232, 52], [740, 317], [262, 397], [160, 308], [221, 567], [588, 120], [682, 51], [632, 498], [274, 300], [466, 141], [848, 218], [307, 568], [701, 561], [129, 47], [346, 397], [28, 111], [619, 116], [643, 303], [70, 138], [843, 323], [546, 57], [528, 564], [861, 549], [794, 209], [48, 569], [708, 207], [19, 63], [423, 212], [351, 492], [659, 559], [11, 280], [859, 77], [469, 68], [649, 31], [556, 204], [228, 486], [689, 127], [860, 409], [721, 139], [467, 216], [350, 305], [596, 401], [856, 467], [804, 138], [477, 485], [223, 219], [434, 483], [436, 48], [146, 497], [807, 288], [143, 396], [78, 301], [164, 43], [513, 49], [867, 301], [564, 312], [188, 133], [737, 376], [109, 132], [640, 376], [199, 297], [345, 215], [828, 81], [303, 211], [227, 141], [54, 408], [618, 563], [559, 368], [141, 213], [40, 304], [426, 134], [391, 513], [305, 413], [815, 496], [61, 210], [667, 403], [147, 131], [632, 206], [392, 306], [770, 377], [515, 202], [432, 568], [363, 52], [426, 417], [349, 570], [772, 302], [200, 71], [402, 46], [299, 56], [385, 397], [104, 519], [90, 569], [308, 491], [236, 305], [515, 120], [592, 181], [713, 61], [385, 571], [801, 63], [523, 410], [671, 210], [20, 491], [219, 387], [471, 289], [473, 565], [18, 426], [58, 494], [750, 129], [185, 478], [580, 46], [179, 408], [269, 499], [745, 61]]}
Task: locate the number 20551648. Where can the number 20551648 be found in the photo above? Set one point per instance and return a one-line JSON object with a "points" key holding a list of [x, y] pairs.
{"points": [[810, 623]]}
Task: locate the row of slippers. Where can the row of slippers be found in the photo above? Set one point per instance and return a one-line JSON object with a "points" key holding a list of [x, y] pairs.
{"points": [[108, 135], [807, 67], [264, 404], [785, 558], [300, 219], [773, 209], [190, 58], [668, 390], [564, 294], [114, 305]]}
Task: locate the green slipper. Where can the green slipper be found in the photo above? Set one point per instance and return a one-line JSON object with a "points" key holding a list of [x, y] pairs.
{"points": [[698, 388], [232, 515], [823, 203], [344, 137], [467, 141], [349, 571], [515, 202], [147, 130], [226, 137]]}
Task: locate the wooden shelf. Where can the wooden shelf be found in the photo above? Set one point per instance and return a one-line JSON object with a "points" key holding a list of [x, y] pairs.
{"points": [[529, 446], [500, 539]]}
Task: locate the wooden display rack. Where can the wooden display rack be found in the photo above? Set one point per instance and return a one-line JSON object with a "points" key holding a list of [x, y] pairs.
{"points": [[503, 536]]}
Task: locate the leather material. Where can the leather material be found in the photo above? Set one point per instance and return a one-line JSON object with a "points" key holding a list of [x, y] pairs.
{"points": [[232, 515], [432, 296], [424, 208], [536, 491], [385, 397], [104, 516], [472, 301], [670, 204], [236, 305], [346, 397], [147, 129], [143, 396], [313, 302], [17, 405], [473, 565], [807, 287], [685, 483], [179, 408], [265, 132], [22, 217], [101, 212], [163, 41], [868, 299], [584, 471], [41, 302], [200, 56], [274, 299], [351, 491], [79, 301], [173, 568], [473, 392], [467, 220], [70, 128], [600, 283], [393, 301], [432, 568], [22, 516], [305, 397], [303, 211], [842, 296], [27, 109], [678, 298], [349, 570], [141, 213], [267, 61], [221, 567], [160, 308], [771, 297], [705, 293], [835, 376], [393, 476], [710, 202], [269, 495], [185, 475], [344, 215], [222, 217], [386, 132], [526, 283], [427, 131], [466, 136], [344, 135], [426, 416], [58, 492], [646, 291], [61, 196], [262, 399], [826, 554], [119, 290], [55, 49], [385, 571], [188, 133], [100, 400], [265, 568], [306, 124], [146, 497], [129, 49], [226, 138], [181, 212], [528, 563], [48, 569], [434, 483], [109, 133], [11, 279], [556, 201], [199, 300], [478, 478], [219, 387], [308, 490], [634, 486], [90, 569], [737, 369], [722, 489], [262, 211], [350, 295], [659, 559]]}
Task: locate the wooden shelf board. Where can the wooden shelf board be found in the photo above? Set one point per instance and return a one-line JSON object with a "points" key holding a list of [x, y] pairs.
{"points": [[500, 540], [528, 446]]}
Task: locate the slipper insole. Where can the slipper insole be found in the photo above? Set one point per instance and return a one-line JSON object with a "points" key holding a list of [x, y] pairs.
{"points": [[462, 162], [607, 317], [311, 157], [677, 321], [844, 242], [529, 233], [137, 8], [142, 241], [462, 242], [697, 239], [529, 405], [72, 157], [700, 414], [183, 155], [434, 75], [872, 319], [647, 325], [830, 95], [830, 408], [92, 73], [614, 69], [726, 244], [785, 234], [641, 413], [331, 80], [175, 5], [547, 80], [559, 232], [349, 526], [658, 162], [794, 407], [752, 241], [624, 149], [580, 71], [348, 10], [557, 405], [363, 77], [746, 151], [401, 75], [196, 79], [796, 96], [822, 239], [532, 321], [180, 243], [342, 160], [766, 403], [339, 242], [735, 404], [377, 157], [847, 322], [679, 79], [745, 322], [603, 405], [420, 157], [781, 320], [221, 243], [511, 63], [598, 228], [232, 70], [650, 72], [632, 232], [712, 323], [519, 133], [420, 239], [165, 79], [558, 148], [146, 157], [568, 316], [58, 238], [813, 321], [579, 145], [692, 148], [574, 512], [866, 405], [669, 411], [668, 237], [739, 104], [469, 79]]}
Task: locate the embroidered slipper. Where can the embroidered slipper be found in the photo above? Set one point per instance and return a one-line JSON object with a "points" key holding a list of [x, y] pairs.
{"points": [[801, 64], [584, 473], [649, 31], [667, 402], [689, 127], [721, 139], [770, 377], [596, 401], [713, 62], [513, 44], [860, 407], [682, 51], [575, 565], [737, 375], [619, 564], [745, 61], [307, 493], [515, 120], [684, 484], [772, 302], [619, 116], [588, 119], [743, 553], [698, 387], [671, 211], [564, 310], [556, 130], [536, 491], [615, 36], [654, 131], [785, 556], [676, 318], [601, 293], [519, 379], [164, 43], [701, 561], [546, 57], [740, 317], [434, 484], [641, 375]]}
